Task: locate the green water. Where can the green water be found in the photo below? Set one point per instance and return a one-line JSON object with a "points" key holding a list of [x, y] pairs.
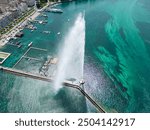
{"points": [[129, 66], [117, 58]]}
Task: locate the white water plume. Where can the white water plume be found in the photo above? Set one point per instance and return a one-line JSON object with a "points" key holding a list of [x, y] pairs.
{"points": [[71, 60]]}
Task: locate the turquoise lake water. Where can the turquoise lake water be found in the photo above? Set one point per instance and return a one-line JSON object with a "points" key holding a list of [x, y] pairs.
{"points": [[117, 58]]}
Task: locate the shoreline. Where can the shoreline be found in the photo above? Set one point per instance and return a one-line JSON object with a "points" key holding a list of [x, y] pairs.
{"points": [[14, 30], [11, 34]]}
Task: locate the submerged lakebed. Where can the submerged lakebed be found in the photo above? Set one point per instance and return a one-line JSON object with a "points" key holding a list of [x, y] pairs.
{"points": [[116, 62]]}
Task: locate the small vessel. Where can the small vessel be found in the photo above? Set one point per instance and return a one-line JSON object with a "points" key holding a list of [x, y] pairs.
{"points": [[30, 44], [40, 22], [19, 46], [47, 32], [31, 27], [19, 34], [44, 15], [44, 22], [11, 39], [34, 28], [54, 10], [18, 43]]}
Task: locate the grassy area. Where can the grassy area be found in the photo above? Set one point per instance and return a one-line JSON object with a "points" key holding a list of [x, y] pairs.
{"points": [[16, 21]]}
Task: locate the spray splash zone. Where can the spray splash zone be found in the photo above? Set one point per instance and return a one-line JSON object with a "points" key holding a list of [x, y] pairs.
{"points": [[70, 66]]}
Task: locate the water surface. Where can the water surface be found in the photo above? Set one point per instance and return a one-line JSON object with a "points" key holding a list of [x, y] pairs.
{"points": [[117, 58]]}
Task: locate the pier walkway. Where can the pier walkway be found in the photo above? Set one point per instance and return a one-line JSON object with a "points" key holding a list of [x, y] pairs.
{"points": [[48, 79], [25, 74]]}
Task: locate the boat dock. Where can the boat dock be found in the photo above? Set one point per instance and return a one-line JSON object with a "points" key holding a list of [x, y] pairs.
{"points": [[48, 79]]}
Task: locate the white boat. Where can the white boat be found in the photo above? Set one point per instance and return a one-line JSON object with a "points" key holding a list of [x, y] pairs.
{"points": [[40, 22], [47, 32], [30, 44], [19, 46], [54, 10], [44, 15]]}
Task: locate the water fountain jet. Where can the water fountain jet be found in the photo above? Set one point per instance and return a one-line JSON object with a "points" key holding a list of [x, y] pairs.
{"points": [[71, 60]]}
